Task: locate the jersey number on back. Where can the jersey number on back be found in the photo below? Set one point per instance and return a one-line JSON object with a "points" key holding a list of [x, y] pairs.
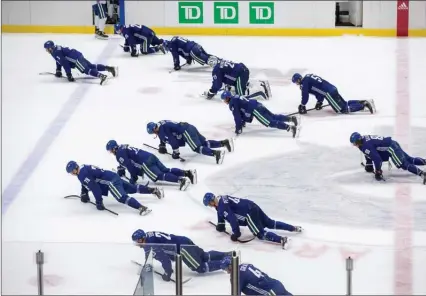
{"points": [[316, 78], [256, 272], [162, 235]]}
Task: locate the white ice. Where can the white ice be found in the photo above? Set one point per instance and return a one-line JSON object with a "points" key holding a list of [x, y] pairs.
{"points": [[89, 252]]}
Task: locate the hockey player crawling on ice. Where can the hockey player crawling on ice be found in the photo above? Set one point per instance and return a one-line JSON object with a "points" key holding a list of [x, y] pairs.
{"points": [[176, 134], [243, 212], [244, 108], [99, 9], [142, 35], [322, 89], [69, 58], [189, 50], [377, 149], [236, 75], [165, 246], [253, 281], [138, 162], [101, 182]]}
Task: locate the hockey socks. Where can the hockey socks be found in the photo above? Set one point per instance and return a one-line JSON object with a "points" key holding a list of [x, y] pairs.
{"points": [[214, 144], [213, 265], [419, 161], [133, 203], [279, 125], [355, 106], [272, 237], [143, 189], [284, 226], [414, 170], [205, 151], [169, 177], [177, 172]]}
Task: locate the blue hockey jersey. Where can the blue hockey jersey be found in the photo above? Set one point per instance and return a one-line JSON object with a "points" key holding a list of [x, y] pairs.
{"points": [[242, 109], [180, 46], [164, 247], [171, 132], [255, 282], [65, 57], [225, 72], [319, 87], [234, 210], [96, 180], [132, 159], [136, 34], [375, 149]]}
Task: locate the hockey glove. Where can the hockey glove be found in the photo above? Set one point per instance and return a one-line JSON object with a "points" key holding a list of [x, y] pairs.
{"points": [[177, 68], [100, 205], [378, 174], [235, 236], [70, 78], [302, 109], [58, 73], [369, 168], [189, 61], [162, 149], [126, 48], [238, 131], [175, 155], [166, 277], [318, 105], [121, 171], [133, 179], [220, 227], [84, 197], [134, 54]]}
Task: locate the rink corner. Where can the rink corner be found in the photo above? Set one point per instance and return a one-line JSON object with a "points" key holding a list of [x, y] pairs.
{"points": [[223, 31]]}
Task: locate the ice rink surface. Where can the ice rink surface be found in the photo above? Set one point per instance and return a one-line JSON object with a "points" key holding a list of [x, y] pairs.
{"points": [[315, 181]]}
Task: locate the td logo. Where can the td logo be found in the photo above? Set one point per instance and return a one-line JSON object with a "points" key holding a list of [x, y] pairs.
{"points": [[226, 12], [261, 12], [190, 12]]}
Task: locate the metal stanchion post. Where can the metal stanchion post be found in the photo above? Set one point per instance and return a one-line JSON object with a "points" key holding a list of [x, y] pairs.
{"points": [[349, 268], [40, 262], [178, 270], [235, 275]]}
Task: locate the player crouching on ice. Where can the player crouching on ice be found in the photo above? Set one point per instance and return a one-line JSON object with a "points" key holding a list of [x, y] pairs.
{"points": [[253, 281], [377, 149], [244, 108], [165, 246], [189, 50], [243, 212], [235, 75], [176, 134], [142, 35], [100, 182], [138, 162], [322, 89], [71, 58]]}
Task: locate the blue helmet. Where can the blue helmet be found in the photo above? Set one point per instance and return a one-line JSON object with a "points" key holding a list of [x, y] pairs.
{"points": [[49, 44], [225, 263], [150, 127], [296, 77], [117, 28], [208, 197], [71, 165], [112, 144], [225, 95], [138, 234], [355, 137]]}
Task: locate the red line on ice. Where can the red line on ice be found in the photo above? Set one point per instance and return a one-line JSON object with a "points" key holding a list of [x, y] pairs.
{"points": [[403, 254]]}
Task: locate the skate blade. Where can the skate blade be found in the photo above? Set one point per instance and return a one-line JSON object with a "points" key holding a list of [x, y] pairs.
{"points": [[194, 173], [146, 212], [286, 245], [185, 185]]}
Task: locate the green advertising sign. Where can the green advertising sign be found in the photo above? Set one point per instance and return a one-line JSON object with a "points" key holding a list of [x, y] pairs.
{"points": [[261, 12], [191, 12], [226, 12]]}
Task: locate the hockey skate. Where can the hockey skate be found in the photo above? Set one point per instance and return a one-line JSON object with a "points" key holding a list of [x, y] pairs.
{"points": [[220, 155], [266, 88], [369, 104], [294, 131], [285, 242], [295, 119], [112, 70], [161, 48], [298, 229], [192, 175], [158, 192], [424, 178], [143, 211], [184, 183], [229, 144], [101, 35]]}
